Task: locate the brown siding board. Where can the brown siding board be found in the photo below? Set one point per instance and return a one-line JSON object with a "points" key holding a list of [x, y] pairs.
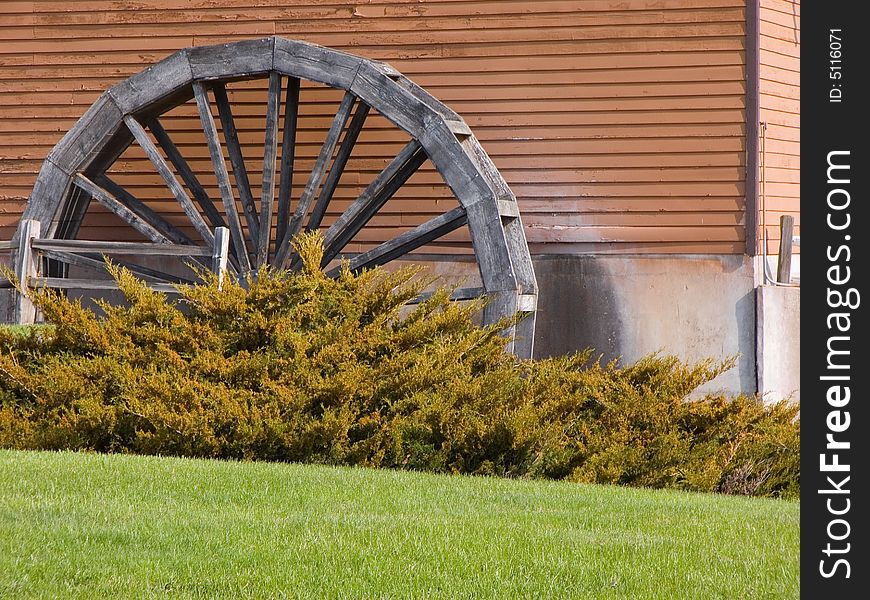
{"points": [[623, 120], [786, 91], [448, 90], [688, 32], [102, 53], [563, 234], [33, 105], [121, 64], [781, 31], [782, 76], [780, 108], [781, 61], [371, 8], [618, 248], [124, 23], [781, 47]]}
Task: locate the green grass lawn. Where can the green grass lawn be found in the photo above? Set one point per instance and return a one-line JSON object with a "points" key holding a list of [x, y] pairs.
{"points": [[97, 526]]}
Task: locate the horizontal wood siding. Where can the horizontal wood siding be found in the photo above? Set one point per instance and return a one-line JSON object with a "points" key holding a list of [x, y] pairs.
{"points": [[619, 124], [779, 102]]}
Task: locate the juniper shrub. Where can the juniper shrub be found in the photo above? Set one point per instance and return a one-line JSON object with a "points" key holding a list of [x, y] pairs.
{"points": [[303, 367]]}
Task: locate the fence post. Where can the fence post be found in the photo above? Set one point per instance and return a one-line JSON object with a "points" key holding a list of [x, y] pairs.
{"points": [[26, 268], [220, 252], [786, 238]]}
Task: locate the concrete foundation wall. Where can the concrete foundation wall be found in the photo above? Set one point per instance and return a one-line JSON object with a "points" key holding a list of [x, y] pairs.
{"points": [[625, 307], [779, 342]]}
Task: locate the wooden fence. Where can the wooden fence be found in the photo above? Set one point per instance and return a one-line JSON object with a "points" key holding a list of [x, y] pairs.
{"points": [[31, 249]]}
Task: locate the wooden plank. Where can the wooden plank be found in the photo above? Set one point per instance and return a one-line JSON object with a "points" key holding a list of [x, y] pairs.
{"points": [[411, 240], [635, 234], [172, 183], [524, 331], [240, 172], [66, 225], [270, 152], [95, 284], [288, 157], [350, 137], [557, 32], [26, 269], [187, 175], [521, 261], [72, 215], [453, 79], [111, 152], [116, 206], [786, 237], [83, 142], [380, 91], [372, 199], [465, 172], [635, 219], [155, 82], [220, 253], [96, 263], [220, 169], [316, 176], [130, 53], [487, 168], [173, 233], [134, 248], [315, 63], [183, 12], [236, 59], [505, 206], [49, 191]]}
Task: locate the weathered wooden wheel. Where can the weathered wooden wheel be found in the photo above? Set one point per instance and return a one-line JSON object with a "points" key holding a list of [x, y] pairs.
{"points": [[77, 169]]}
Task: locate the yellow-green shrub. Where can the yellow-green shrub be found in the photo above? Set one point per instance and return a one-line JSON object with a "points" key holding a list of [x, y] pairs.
{"points": [[301, 367]]}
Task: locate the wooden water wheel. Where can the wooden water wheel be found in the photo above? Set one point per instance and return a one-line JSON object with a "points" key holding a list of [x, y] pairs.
{"points": [[262, 222]]}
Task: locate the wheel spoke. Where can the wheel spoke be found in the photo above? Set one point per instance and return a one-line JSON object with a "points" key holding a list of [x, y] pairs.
{"points": [[288, 157], [115, 205], [338, 165], [378, 192], [63, 283], [72, 214], [240, 172], [143, 210], [96, 263], [172, 183], [68, 225], [270, 152], [408, 241], [223, 178], [316, 177], [186, 173]]}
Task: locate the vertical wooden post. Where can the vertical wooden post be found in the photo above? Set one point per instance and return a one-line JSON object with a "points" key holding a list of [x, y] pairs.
{"points": [[786, 237], [220, 252], [25, 268]]}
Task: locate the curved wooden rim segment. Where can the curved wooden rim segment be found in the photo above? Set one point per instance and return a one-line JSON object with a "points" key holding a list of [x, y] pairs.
{"points": [[118, 116]]}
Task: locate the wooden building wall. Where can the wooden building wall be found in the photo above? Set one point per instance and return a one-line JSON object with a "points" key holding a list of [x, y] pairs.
{"points": [[779, 103], [619, 124]]}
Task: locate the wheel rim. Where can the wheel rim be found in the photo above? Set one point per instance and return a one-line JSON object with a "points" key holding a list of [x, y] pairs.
{"points": [[263, 222]]}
